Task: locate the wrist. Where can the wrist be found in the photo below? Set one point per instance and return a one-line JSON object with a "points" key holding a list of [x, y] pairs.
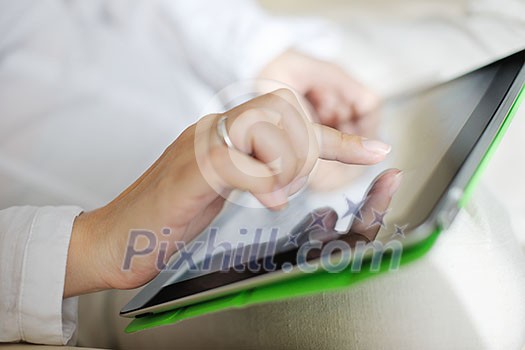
{"points": [[85, 268]]}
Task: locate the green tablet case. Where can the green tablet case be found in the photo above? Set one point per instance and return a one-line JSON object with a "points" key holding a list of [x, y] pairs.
{"points": [[323, 281]]}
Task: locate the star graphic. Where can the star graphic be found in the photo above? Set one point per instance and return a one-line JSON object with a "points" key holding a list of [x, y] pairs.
{"points": [[318, 220], [400, 231], [379, 218], [292, 239], [354, 209]]}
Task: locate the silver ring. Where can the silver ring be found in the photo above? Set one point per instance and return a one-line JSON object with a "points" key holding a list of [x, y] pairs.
{"points": [[223, 132]]}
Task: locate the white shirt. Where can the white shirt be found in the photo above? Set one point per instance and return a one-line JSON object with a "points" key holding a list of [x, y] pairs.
{"points": [[91, 92], [81, 79]]}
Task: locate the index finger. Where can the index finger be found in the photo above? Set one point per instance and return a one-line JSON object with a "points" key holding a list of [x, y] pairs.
{"points": [[349, 149]]}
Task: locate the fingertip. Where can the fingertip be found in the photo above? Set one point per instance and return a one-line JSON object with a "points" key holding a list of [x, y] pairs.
{"points": [[388, 182], [396, 183], [279, 198], [376, 147], [349, 149], [276, 200]]}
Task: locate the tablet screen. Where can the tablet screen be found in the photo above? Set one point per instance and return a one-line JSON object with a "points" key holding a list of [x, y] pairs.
{"points": [[420, 129]]}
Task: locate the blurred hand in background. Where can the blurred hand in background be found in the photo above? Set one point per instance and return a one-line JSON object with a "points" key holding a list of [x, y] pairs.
{"points": [[337, 100]]}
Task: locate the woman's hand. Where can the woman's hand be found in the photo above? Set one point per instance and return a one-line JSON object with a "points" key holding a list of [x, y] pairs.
{"points": [[275, 147], [338, 101]]}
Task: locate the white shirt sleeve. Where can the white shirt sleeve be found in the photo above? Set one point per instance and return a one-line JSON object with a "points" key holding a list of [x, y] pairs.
{"points": [[34, 244], [234, 39]]}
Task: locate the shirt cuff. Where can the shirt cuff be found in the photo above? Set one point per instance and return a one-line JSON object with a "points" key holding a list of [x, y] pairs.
{"points": [[45, 318]]}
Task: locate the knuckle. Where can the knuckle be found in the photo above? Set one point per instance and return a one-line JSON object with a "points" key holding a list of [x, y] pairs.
{"points": [[250, 115], [286, 94]]}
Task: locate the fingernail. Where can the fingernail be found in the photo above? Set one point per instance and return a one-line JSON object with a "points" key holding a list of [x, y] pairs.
{"points": [[376, 146], [396, 182]]}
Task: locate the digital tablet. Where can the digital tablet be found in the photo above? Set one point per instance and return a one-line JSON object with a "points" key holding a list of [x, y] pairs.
{"points": [[439, 137]]}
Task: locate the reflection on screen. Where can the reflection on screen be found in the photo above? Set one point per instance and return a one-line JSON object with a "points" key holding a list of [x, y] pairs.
{"points": [[422, 128]]}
